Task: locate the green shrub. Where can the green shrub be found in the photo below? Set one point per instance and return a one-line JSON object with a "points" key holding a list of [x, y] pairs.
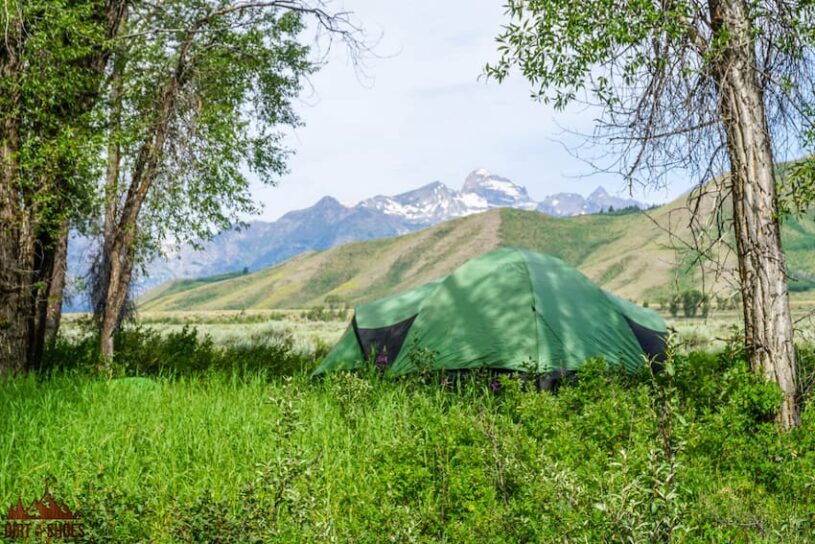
{"points": [[322, 313], [143, 351]]}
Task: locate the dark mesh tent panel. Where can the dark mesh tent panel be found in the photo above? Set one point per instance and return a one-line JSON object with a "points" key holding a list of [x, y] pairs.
{"points": [[653, 342], [383, 340]]}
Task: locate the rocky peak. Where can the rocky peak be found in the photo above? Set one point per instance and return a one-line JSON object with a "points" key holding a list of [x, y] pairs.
{"points": [[599, 193], [328, 202], [497, 190]]}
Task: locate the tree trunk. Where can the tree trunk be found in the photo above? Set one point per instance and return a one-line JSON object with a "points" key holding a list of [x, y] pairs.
{"points": [[118, 284], [122, 223], [15, 285], [110, 310], [15, 227], [14, 293], [27, 249], [41, 277], [53, 315], [767, 321]]}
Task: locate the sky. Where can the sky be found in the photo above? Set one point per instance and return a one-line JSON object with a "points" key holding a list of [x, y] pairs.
{"points": [[421, 111]]}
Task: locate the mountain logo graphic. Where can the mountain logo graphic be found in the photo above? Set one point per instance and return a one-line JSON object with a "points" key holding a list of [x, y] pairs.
{"points": [[44, 509], [42, 518]]}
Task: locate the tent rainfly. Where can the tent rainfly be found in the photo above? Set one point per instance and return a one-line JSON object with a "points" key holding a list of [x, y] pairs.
{"points": [[508, 309]]}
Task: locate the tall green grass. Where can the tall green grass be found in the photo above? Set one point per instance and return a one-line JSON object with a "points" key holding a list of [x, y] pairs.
{"points": [[691, 455]]}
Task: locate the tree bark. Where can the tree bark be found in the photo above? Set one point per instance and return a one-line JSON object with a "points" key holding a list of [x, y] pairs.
{"points": [[42, 272], [15, 226], [26, 248], [53, 316], [119, 275], [110, 307], [767, 320]]}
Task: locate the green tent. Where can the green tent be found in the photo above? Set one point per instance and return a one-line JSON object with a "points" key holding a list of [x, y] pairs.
{"points": [[507, 309]]}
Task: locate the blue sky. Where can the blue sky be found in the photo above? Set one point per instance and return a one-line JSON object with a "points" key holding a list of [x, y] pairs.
{"points": [[424, 114]]}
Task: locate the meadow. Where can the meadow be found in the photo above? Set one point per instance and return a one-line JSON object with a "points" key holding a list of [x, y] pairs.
{"points": [[316, 330], [212, 431]]}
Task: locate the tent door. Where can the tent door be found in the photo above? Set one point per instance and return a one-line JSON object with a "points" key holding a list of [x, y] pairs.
{"points": [[384, 343]]}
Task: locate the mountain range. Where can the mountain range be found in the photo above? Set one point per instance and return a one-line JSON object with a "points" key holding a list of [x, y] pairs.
{"points": [[633, 254], [328, 223]]}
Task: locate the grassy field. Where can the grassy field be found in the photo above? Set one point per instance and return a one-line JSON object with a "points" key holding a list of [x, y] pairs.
{"points": [[247, 326], [241, 327], [222, 437], [219, 458]]}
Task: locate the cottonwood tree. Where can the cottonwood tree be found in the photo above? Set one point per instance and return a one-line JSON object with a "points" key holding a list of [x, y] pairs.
{"points": [[714, 86], [199, 89], [53, 55]]}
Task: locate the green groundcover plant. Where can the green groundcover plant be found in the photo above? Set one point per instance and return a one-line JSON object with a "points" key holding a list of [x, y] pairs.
{"points": [[193, 442]]}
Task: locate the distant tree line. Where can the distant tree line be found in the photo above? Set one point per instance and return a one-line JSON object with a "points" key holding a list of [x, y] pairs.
{"points": [[334, 307], [611, 210], [695, 303]]}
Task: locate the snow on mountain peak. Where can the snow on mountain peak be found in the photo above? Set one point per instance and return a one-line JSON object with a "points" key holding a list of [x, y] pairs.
{"points": [[569, 204], [497, 190], [481, 191], [475, 179]]}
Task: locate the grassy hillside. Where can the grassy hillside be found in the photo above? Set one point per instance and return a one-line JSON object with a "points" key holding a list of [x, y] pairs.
{"points": [[638, 256]]}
